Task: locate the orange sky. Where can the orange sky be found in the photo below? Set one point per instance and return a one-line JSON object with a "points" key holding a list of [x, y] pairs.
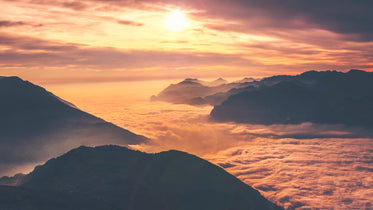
{"points": [[95, 40]]}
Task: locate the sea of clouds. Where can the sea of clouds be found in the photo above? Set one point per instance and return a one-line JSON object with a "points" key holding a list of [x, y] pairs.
{"points": [[305, 166]]}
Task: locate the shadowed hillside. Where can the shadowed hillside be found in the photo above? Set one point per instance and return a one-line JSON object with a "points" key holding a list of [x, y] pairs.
{"points": [[35, 125], [129, 179], [328, 97], [18, 198]]}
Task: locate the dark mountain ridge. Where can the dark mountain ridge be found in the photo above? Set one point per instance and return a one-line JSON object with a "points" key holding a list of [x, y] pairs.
{"points": [[127, 179], [328, 97], [35, 125]]}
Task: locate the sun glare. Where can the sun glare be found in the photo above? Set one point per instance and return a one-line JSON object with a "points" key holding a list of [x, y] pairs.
{"points": [[176, 21]]}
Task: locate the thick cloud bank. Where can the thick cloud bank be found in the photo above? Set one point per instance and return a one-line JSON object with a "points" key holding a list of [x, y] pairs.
{"points": [[314, 173]]}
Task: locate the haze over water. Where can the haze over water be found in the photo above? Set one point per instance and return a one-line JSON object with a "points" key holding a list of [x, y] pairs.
{"points": [[305, 173]]}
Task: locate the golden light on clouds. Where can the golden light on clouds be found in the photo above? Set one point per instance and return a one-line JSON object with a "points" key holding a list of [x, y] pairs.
{"points": [[176, 21], [280, 165], [112, 39]]}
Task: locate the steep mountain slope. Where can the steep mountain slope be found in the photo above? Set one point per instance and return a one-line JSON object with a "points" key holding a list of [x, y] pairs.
{"points": [[35, 125], [129, 179]]}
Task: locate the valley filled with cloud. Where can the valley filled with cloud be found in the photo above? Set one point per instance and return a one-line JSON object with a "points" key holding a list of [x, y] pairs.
{"points": [[297, 166]]}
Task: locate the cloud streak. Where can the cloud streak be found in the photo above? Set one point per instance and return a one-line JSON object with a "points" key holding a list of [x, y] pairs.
{"points": [[28, 52], [7, 23], [130, 23]]}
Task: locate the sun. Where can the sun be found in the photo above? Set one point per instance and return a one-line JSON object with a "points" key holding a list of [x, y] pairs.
{"points": [[176, 21]]}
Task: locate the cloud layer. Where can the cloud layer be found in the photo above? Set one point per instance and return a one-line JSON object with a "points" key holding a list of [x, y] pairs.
{"points": [[317, 173], [297, 166]]}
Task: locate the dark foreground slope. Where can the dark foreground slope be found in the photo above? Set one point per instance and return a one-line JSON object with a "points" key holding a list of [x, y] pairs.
{"points": [[35, 125], [328, 97], [18, 198], [127, 179]]}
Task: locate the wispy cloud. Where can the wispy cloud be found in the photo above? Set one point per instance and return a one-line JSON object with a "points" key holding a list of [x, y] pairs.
{"points": [[33, 52], [229, 38], [9, 23], [131, 23]]}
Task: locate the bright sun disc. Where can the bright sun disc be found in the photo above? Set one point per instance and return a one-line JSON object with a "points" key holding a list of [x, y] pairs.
{"points": [[176, 21]]}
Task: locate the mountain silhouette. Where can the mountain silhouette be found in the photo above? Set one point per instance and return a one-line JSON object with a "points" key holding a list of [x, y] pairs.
{"points": [[35, 125], [127, 179], [185, 92], [217, 82], [198, 92], [327, 97], [13, 180]]}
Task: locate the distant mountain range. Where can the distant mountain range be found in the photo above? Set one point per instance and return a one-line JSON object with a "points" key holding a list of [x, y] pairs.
{"points": [[113, 177], [36, 125], [198, 92], [326, 97]]}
